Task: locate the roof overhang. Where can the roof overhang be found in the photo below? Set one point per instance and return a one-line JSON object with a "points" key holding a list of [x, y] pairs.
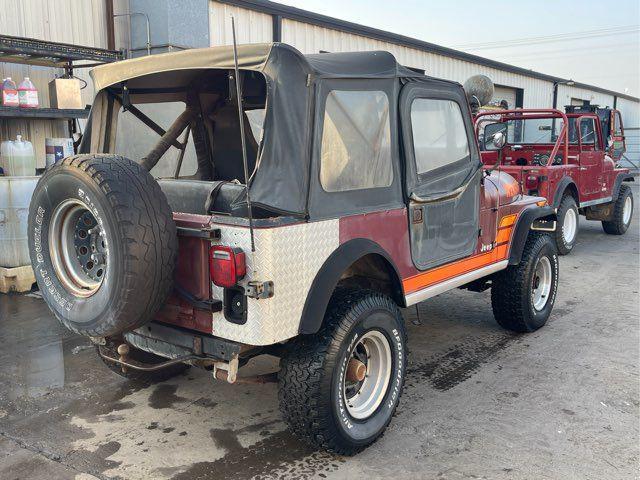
{"points": [[250, 57]]}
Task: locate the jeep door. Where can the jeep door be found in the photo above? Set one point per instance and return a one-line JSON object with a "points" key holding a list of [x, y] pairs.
{"points": [[591, 158], [617, 146], [443, 173]]}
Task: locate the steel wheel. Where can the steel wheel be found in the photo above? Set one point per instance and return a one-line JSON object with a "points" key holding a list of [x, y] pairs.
{"points": [[541, 283], [78, 248], [627, 210], [368, 375], [570, 226]]}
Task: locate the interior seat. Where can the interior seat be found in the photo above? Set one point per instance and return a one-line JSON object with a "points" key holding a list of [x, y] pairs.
{"points": [[204, 198]]}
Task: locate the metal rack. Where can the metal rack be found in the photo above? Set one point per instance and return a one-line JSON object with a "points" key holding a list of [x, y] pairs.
{"points": [[30, 51]]}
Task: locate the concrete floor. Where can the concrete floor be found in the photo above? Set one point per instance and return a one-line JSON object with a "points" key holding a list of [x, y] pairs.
{"points": [[561, 403]]}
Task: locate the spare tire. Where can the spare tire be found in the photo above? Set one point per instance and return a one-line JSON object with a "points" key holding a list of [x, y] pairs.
{"points": [[103, 243]]}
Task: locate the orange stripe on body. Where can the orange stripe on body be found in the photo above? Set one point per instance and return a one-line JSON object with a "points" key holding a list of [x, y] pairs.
{"points": [[451, 270]]}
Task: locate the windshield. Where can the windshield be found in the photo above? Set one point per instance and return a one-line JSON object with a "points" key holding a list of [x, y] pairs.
{"points": [[534, 130], [546, 130]]}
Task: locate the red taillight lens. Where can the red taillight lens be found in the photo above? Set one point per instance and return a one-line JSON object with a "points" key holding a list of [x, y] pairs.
{"points": [[531, 182], [227, 265]]}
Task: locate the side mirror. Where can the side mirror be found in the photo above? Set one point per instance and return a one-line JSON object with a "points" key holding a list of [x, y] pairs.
{"points": [[495, 136]]}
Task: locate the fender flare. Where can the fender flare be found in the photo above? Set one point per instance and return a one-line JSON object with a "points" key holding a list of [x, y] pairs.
{"points": [[523, 227], [329, 275], [561, 188], [622, 177]]}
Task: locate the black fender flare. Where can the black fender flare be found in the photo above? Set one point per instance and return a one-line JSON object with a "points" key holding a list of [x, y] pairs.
{"points": [[329, 275], [561, 188], [523, 227], [622, 177]]}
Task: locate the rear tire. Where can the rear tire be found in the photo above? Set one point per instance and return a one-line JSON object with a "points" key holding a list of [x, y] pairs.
{"points": [[568, 224], [622, 213], [522, 296], [318, 400], [103, 244]]}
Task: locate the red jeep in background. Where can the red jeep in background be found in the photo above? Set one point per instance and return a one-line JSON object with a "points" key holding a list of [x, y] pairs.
{"points": [[569, 158]]}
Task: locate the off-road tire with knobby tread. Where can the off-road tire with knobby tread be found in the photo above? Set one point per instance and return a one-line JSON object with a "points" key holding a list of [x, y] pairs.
{"points": [[567, 203], [309, 379], [511, 291], [616, 225], [147, 358], [142, 242]]}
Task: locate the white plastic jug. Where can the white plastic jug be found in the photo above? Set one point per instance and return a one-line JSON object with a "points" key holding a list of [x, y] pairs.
{"points": [[15, 196], [17, 158]]}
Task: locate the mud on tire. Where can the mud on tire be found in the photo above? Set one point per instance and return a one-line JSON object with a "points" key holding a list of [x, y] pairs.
{"points": [[313, 384], [109, 212], [519, 299], [622, 213]]}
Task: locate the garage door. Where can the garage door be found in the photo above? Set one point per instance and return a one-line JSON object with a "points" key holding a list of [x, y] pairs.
{"points": [[504, 93]]}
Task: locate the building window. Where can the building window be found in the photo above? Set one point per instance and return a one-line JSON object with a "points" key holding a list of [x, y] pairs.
{"points": [[439, 134], [356, 141]]}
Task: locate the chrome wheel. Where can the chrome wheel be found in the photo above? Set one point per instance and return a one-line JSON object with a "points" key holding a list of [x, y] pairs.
{"points": [[541, 283], [368, 375], [627, 210], [569, 226], [78, 248]]}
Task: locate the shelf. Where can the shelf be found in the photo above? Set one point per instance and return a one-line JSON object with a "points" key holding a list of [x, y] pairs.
{"points": [[44, 113], [31, 51]]}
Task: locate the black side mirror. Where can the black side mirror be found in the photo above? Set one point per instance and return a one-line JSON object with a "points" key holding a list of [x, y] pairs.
{"points": [[495, 136]]}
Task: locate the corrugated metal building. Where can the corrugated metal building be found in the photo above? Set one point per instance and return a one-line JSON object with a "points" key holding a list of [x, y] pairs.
{"points": [[183, 24]]}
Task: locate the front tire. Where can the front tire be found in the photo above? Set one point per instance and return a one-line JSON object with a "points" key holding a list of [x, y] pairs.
{"points": [[622, 213], [522, 296], [568, 224], [325, 395]]}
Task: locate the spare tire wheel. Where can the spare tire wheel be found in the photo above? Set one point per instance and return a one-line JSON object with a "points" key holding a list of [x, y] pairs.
{"points": [[103, 243]]}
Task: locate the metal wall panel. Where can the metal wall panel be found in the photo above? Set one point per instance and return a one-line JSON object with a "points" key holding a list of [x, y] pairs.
{"points": [[251, 26], [566, 93], [310, 38], [81, 22]]}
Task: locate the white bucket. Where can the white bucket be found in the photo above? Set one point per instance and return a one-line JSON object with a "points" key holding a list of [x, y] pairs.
{"points": [[17, 158], [15, 196], [57, 149]]}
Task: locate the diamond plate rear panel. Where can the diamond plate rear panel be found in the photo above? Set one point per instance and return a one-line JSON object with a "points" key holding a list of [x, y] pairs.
{"points": [[289, 256]]}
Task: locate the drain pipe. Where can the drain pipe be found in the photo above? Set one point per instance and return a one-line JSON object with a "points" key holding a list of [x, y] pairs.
{"points": [[133, 14], [111, 35]]}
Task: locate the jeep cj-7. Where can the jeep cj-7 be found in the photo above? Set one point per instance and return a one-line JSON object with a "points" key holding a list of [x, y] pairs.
{"points": [[363, 193], [568, 158]]}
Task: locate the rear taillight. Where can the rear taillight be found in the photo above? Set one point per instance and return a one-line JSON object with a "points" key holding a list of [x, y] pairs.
{"points": [[227, 265], [531, 182]]}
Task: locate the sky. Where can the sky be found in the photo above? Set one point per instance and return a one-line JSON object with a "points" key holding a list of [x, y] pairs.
{"points": [[605, 52]]}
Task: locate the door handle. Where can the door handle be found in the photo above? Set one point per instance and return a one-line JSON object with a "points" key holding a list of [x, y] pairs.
{"points": [[582, 169]]}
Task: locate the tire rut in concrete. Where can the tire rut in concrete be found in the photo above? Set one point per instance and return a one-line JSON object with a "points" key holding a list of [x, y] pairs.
{"points": [[459, 363]]}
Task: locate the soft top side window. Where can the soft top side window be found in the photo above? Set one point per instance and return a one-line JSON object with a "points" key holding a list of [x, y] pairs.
{"points": [[356, 141], [439, 134]]}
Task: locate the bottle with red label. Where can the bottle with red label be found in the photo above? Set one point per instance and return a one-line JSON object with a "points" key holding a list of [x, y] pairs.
{"points": [[27, 94], [9, 93]]}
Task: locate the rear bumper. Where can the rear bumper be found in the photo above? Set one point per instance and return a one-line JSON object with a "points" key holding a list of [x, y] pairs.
{"points": [[171, 342]]}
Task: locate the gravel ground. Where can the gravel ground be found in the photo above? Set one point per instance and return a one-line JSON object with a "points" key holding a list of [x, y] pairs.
{"points": [[561, 403]]}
